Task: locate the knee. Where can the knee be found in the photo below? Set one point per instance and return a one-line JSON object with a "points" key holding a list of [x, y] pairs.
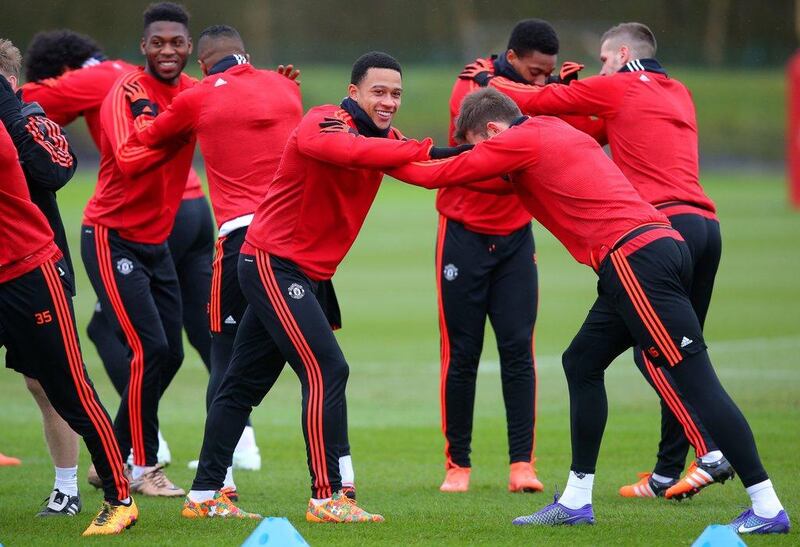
{"points": [[37, 391], [573, 362]]}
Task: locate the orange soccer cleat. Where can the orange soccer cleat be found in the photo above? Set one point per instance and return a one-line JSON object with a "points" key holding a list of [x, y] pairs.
{"points": [[456, 480], [8, 460], [220, 506], [646, 487], [698, 476], [522, 478]]}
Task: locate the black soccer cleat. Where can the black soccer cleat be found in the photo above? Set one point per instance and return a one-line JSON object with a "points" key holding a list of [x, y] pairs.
{"points": [[60, 504]]}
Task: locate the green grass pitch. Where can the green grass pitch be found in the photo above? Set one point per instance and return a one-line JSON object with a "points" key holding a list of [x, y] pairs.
{"points": [[386, 289]]}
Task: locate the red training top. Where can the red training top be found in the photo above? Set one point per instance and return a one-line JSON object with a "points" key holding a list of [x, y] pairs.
{"points": [[651, 126], [486, 213], [563, 178], [81, 92], [138, 189], [324, 187], [27, 240], [242, 118]]}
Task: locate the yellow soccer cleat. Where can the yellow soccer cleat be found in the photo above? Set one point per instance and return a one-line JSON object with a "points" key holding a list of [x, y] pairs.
{"points": [[113, 519], [339, 508], [220, 506]]}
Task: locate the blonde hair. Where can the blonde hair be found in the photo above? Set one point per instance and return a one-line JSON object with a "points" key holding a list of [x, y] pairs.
{"points": [[10, 59]]}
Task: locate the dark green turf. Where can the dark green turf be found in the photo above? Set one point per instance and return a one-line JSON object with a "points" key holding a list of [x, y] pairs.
{"points": [[386, 289]]}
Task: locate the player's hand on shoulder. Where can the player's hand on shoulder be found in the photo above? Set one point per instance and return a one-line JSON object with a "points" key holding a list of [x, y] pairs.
{"points": [[289, 72], [480, 71], [335, 125], [567, 74], [139, 101], [442, 152]]}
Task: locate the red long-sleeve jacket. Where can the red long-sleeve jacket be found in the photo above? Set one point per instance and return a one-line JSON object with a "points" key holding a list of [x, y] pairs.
{"points": [[242, 118], [562, 177], [322, 191], [651, 126], [25, 236], [138, 189], [81, 92]]}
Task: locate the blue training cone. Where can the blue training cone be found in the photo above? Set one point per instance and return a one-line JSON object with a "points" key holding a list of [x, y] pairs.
{"points": [[274, 531], [718, 535]]}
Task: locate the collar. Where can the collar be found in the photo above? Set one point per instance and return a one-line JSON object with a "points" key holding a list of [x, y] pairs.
{"points": [[649, 65], [364, 123], [503, 68], [94, 60], [227, 62], [519, 121]]}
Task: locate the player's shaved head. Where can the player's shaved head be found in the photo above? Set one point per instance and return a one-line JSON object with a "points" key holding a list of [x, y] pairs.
{"points": [[638, 37], [219, 40]]}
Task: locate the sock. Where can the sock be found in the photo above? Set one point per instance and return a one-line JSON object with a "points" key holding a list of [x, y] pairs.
{"points": [[318, 501], [67, 480], [765, 501], [247, 441], [139, 470], [578, 491], [199, 496], [711, 457], [346, 471], [229, 478], [662, 479], [126, 502]]}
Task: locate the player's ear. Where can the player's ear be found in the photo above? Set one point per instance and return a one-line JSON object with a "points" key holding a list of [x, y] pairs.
{"points": [[624, 54], [141, 46], [247, 56], [191, 45], [511, 56], [352, 91]]}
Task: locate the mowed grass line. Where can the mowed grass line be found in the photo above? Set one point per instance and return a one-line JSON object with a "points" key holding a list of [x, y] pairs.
{"points": [[386, 289]]}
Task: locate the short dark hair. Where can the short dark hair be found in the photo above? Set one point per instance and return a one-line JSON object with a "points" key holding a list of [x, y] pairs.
{"points": [[51, 52], [531, 35], [481, 107], [643, 41], [166, 11], [221, 31], [373, 59]]}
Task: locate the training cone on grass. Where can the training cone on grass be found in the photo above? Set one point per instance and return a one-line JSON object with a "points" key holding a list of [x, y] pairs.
{"points": [[718, 535], [275, 531]]}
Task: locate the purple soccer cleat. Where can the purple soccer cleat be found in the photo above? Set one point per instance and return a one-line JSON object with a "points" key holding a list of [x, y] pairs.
{"points": [[750, 523], [556, 514]]}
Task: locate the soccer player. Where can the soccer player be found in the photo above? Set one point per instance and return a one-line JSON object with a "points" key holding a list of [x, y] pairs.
{"points": [[636, 99], [486, 266], [37, 327], [242, 118], [124, 237], [567, 183], [48, 163], [301, 231], [69, 75]]}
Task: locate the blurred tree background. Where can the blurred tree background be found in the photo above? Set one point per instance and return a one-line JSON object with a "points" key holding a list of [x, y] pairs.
{"points": [[729, 52]]}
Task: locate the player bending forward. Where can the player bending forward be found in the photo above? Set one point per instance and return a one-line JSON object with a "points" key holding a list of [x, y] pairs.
{"points": [[566, 181]]}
